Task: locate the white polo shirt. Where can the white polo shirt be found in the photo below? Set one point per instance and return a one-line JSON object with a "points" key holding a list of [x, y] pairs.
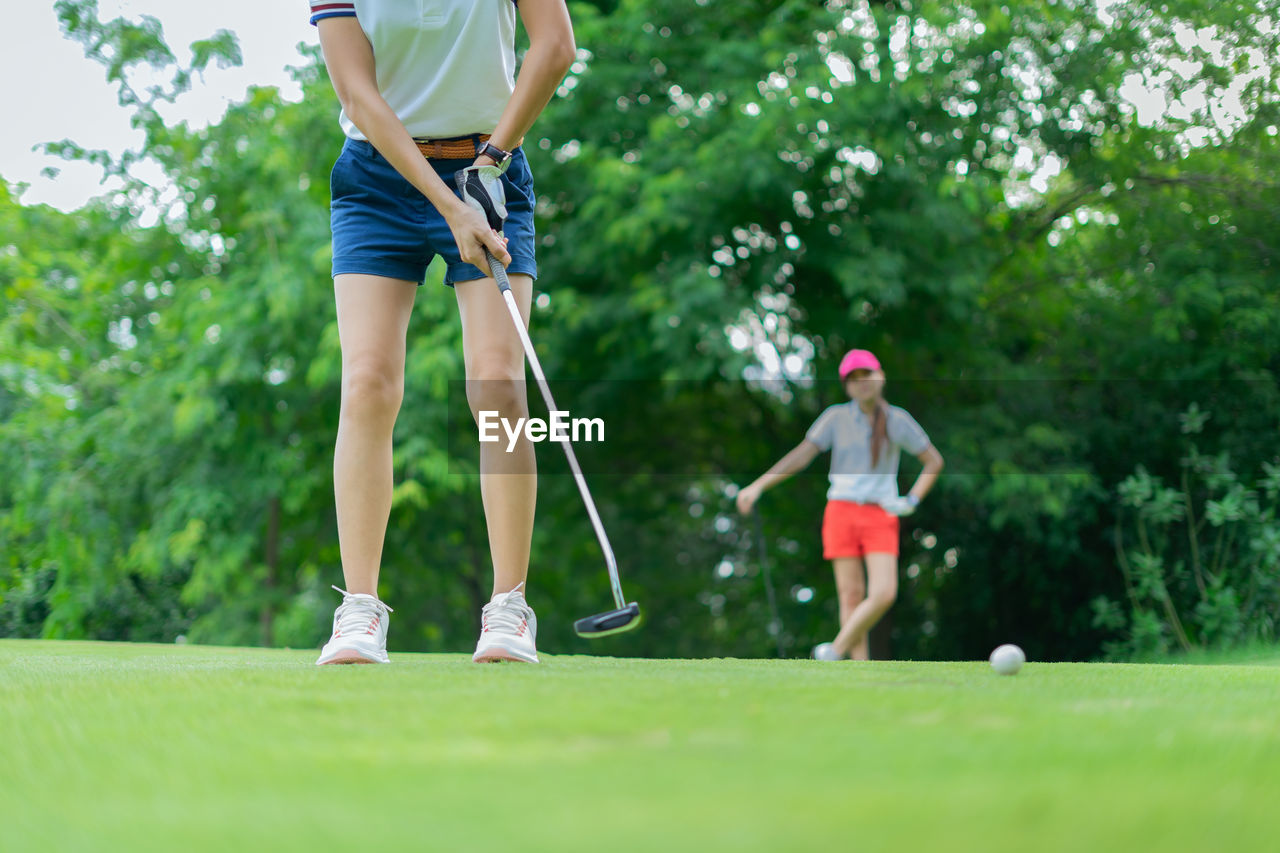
{"points": [[845, 430], [447, 67]]}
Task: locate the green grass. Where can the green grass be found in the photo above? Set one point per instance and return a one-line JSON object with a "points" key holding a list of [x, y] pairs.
{"points": [[1257, 654], [139, 747]]}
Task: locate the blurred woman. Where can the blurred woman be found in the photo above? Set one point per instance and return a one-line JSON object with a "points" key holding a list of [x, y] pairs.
{"points": [[428, 88], [860, 524]]}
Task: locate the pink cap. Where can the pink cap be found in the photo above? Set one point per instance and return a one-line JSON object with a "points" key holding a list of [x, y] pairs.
{"points": [[858, 359]]}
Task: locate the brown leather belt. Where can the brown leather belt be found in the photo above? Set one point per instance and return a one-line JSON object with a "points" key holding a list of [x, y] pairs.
{"points": [[454, 148]]}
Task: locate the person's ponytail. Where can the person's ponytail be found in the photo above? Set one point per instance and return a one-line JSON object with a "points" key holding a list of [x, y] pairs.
{"points": [[879, 431]]}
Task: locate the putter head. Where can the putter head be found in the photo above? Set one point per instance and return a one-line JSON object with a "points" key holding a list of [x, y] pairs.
{"points": [[609, 622]]}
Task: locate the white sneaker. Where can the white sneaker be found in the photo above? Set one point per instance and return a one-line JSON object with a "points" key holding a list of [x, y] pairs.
{"points": [[825, 651], [359, 631], [509, 631]]}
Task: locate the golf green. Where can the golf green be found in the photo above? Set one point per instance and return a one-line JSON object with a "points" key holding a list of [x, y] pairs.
{"points": [[182, 748]]}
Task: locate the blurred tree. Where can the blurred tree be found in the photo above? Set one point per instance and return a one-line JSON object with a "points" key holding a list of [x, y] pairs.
{"points": [[901, 176], [727, 202]]}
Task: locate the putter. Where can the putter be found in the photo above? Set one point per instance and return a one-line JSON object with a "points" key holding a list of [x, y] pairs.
{"points": [[624, 616]]}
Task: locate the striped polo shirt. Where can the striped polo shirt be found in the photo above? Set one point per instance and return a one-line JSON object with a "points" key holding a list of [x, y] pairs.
{"points": [[447, 67], [845, 430]]}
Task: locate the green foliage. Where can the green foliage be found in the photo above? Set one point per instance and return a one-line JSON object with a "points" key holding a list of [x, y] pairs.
{"points": [[1201, 560], [720, 194], [169, 420]]}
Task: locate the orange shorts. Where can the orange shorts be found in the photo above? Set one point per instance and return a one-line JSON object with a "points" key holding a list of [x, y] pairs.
{"points": [[854, 530]]}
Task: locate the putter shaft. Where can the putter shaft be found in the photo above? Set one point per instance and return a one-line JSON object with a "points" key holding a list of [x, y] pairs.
{"points": [[500, 276]]}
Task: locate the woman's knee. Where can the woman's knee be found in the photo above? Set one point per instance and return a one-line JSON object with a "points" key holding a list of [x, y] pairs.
{"points": [[371, 388], [852, 597], [495, 384]]}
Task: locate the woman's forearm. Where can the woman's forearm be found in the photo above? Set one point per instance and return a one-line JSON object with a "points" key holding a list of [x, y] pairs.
{"points": [[794, 462], [924, 482], [384, 130], [551, 52]]}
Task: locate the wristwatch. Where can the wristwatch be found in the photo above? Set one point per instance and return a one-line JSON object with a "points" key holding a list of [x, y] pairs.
{"points": [[913, 500], [500, 158]]}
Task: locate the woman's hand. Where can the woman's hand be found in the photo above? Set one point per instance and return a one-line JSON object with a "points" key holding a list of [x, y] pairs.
{"points": [[747, 498], [899, 506], [473, 235]]}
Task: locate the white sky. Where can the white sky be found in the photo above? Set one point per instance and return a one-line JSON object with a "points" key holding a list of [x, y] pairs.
{"points": [[52, 92]]}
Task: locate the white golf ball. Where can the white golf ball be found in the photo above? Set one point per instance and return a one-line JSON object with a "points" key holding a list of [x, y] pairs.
{"points": [[825, 651], [1007, 659]]}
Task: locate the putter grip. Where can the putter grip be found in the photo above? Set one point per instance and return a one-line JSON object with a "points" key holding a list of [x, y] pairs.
{"points": [[496, 269], [498, 272]]}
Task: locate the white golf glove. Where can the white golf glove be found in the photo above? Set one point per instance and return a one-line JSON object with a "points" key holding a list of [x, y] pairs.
{"points": [[481, 188], [900, 506]]}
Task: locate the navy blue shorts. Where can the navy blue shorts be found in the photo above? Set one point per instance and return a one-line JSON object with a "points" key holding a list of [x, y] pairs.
{"points": [[382, 225]]}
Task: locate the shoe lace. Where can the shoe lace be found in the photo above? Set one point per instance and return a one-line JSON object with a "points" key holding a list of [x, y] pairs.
{"points": [[506, 611], [357, 613]]}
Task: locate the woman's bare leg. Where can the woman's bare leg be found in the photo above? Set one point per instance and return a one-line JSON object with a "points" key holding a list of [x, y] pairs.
{"points": [[851, 589], [373, 318], [882, 591], [495, 382]]}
